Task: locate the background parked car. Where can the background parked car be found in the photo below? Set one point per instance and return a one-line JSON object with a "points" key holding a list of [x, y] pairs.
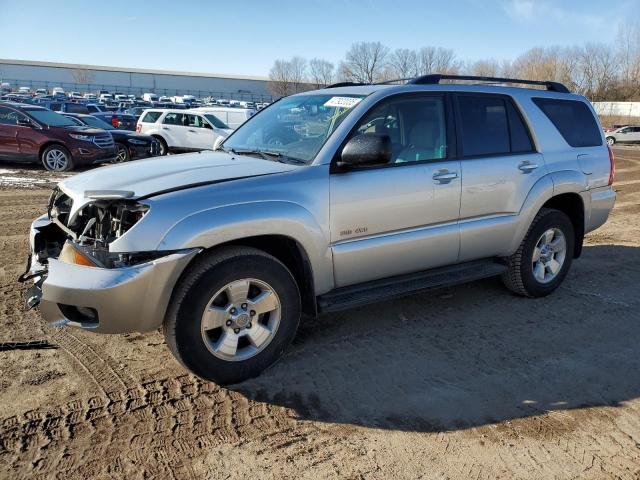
{"points": [[122, 121], [231, 116], [628, 134], [30, 133], [61, 106], [129, 145], [182, 130]]}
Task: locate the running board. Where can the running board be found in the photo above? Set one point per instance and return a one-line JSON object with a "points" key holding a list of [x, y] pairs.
{"points": [[401, 286]]}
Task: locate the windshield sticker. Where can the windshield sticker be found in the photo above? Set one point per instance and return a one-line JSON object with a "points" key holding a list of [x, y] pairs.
{"points": [[342, 102]]}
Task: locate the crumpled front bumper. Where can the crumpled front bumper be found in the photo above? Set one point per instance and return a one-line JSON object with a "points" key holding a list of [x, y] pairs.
{"points": [[117, 300]]}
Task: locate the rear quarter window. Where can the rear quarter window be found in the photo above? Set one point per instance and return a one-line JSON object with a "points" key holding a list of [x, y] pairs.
{"points": [[573, 119], [151, 117]]}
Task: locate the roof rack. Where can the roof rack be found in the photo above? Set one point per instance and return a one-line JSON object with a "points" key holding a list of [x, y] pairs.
{"points": [[435, 78], [346, 84]]}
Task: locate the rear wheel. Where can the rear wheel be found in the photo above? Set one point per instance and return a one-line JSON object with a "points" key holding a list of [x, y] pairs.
{"points": [[122, 153], [544, 257], [56, 158], [233, 315], [164, 149]]}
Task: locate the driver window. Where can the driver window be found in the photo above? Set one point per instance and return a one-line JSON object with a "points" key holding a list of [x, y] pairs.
{"points": [[416, 127]]}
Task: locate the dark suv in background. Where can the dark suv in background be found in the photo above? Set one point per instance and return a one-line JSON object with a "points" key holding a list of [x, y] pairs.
{"points": [[29, 133]]}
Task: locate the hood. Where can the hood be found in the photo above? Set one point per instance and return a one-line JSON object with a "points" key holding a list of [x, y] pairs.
{"points": [[79, 129], [144, 178]]}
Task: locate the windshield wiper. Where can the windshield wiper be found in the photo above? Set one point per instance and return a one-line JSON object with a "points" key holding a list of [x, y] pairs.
{"points": [[267, 155]]}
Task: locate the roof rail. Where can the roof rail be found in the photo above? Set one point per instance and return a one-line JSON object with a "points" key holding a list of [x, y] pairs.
{"points": [[346, 84], [435, 78]]}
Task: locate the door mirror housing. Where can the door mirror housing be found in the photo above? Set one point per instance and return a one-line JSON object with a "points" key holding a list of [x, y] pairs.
{"points": [[366, 150], [217, 142]]}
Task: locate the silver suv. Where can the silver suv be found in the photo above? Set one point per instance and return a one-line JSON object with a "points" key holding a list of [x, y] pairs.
{"points": [[325, 200]]}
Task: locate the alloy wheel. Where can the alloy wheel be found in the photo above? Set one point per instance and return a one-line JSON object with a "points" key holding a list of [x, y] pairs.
{"points": [[241, 319], [55, 160], [549, 255]]}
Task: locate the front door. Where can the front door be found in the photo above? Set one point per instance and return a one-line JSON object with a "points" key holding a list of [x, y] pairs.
{"points": [[400, 217], [200, 133]]}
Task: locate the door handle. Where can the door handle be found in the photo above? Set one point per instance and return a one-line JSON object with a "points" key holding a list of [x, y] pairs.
{"points": [[192, 131], [444, 177], [165, 128], [527, 167]]}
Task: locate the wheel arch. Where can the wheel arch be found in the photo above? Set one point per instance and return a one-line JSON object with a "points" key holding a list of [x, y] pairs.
{"points": [[572, 205], [48, 144]]}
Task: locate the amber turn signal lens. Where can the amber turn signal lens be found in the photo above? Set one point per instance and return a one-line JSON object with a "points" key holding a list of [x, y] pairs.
{"points": [[75, 256], [80, 259]]}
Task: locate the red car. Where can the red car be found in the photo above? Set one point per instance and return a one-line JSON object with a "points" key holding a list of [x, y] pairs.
{"points": [[32, 134]]}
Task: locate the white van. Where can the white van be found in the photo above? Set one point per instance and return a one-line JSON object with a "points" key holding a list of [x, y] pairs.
{"points": [[182, 130], [234, 117], [150, 97]]}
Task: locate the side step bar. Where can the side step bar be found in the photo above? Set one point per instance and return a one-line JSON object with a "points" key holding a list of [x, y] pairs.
{"points": [[403, 285]]}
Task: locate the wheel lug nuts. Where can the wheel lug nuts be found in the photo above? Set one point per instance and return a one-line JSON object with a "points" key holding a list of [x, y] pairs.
{"points": [[244, 306], [252, 313], [236, 330], [228, 323], [233, 311]]}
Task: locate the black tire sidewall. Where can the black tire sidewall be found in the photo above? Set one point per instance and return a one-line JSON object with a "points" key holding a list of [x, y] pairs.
{"points": [[554, 219], [164, 148], [191, 347], [69, 165]]}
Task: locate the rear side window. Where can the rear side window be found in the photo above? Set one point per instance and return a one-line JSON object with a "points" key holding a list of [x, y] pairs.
{"points": [[520, 139], [573, 120], [174, 119], [151, 117], [485, 128]]}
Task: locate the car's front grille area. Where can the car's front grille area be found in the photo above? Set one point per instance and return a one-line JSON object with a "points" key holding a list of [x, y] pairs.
{"points": [[104, 140]]}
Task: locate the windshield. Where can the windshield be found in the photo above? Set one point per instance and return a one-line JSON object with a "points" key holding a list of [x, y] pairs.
{"points": [[50, 118], [295, 127], [215, 121], [94, 122]]}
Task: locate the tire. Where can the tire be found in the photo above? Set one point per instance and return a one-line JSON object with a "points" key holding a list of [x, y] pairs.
{"points": [[207, 350], [164, 149], [530, 278], [122, 153], [611, 141], [56, 158]]}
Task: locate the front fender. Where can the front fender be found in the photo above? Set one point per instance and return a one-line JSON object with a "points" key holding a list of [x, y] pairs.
{"points": [[218, 225]]}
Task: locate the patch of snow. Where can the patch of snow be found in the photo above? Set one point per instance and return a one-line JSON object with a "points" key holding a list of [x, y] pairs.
{"points": [[7, 180]]}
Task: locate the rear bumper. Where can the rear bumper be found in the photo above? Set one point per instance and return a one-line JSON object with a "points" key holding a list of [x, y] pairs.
{"points": [[601, 201]]}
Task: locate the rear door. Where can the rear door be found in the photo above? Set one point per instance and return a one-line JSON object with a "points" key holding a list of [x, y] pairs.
{"points": [[9, 146], [174, 131], [400, 217], [499, 167]]}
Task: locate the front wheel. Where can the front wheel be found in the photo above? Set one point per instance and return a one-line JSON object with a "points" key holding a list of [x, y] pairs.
{"points": [[543, 259], [233, 314], [56, 158], [611, 141], [122, 153]]}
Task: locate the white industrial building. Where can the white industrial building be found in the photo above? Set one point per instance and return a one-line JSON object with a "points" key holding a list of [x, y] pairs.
{"points": [[90, 78]]}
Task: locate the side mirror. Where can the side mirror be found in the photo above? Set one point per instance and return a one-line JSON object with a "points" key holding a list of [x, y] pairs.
{"points": [[218, 141], [25, 122], [365, 150]]}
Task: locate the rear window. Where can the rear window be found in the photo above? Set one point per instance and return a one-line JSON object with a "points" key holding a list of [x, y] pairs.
{"points": [[151, 117], [573, 120]]}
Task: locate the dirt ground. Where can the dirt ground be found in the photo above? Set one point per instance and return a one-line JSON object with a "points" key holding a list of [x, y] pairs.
{"points": [[469, 382]]}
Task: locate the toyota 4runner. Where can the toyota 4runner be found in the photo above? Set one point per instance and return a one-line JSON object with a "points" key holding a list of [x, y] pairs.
{"points": [[326, 200]]}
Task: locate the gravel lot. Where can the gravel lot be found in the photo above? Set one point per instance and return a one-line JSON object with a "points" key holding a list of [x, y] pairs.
{"points": [[468, 382]]}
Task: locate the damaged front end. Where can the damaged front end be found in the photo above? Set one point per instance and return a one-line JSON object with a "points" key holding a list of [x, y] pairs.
{"points": [[79, 281]]}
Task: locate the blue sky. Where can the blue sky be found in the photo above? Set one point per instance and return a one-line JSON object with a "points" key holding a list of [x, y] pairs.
{"points": [[245, 37]]}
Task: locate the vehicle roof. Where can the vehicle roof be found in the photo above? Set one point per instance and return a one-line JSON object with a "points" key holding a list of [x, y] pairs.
{"points": [[30, 106], [220, 109], [444, 87]]}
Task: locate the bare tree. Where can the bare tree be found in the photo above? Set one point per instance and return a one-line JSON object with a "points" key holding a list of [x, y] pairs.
{"points": [[403, 63], [628, 59], [365, 62], [320, 72], [436, 60], [484, 68], [287, 76], [82, 75]]}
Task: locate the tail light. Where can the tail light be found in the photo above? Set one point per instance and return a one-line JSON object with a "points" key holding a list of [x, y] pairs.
{"points": [[612, 162], [138, 128], [115, 121]]}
